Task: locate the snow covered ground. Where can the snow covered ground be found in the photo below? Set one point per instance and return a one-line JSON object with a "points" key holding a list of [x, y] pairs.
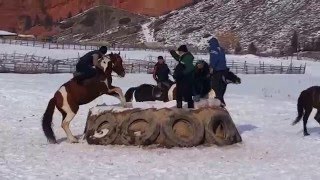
{"points": [[262, 107]]}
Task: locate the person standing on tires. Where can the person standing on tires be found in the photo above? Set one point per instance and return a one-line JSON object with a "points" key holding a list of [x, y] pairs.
{"points": [[184, 75], [218, 68]]}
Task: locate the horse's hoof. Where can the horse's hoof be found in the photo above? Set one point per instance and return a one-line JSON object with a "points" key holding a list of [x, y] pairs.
{"points": [[73, 140], [52, 141]]}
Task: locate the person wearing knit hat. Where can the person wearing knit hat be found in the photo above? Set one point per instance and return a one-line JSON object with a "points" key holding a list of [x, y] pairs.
{"points": [[183, 49], [161, 73], [185, 82]]}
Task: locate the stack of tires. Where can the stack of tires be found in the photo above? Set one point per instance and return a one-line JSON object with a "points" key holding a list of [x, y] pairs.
{"points": [[168, 127]]}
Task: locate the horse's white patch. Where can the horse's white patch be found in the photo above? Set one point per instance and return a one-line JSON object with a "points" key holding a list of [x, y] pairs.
{"points": [[211, 94], [134, 96], [100, 134], [70, 114], [170, 92], [105, 62], [65, 105]]}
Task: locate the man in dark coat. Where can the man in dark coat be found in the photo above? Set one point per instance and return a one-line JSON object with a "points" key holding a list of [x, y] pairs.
{"points": [[161, 73], [202, 80], [184, 81], [86, 64], [218, 68]]}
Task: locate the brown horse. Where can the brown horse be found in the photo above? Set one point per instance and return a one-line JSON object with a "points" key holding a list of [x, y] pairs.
{"points": [[71, 95], [308, 99]]}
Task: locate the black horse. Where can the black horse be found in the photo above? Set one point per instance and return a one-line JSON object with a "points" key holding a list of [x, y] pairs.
{"points": [[308, 99], [231, 78], [144, 92], [220, 81], [149, 92]]}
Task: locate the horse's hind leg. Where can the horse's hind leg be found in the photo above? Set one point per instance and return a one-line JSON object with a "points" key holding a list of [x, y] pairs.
{"points": [[307, 113], [65, 125], [70, 110], [317, 116]]}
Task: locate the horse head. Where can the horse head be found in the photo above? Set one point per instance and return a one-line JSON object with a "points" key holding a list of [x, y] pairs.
{"points": [[112, 62], [117, 64], [232, 78]]}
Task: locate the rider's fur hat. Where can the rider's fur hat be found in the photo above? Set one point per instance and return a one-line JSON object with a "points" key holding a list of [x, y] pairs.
{"points": [[103, 49], [183, 48]]}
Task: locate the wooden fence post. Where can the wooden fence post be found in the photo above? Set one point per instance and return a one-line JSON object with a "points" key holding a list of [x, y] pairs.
{"points": [[245, 67], [139, 67]]}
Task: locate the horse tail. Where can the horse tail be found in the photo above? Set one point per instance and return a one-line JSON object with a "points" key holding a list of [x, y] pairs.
{"points": [[129, 94], [300, 107], [47, 120]]}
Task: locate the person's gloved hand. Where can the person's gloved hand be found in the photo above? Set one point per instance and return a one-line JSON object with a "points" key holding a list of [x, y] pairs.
{"points": [[211, 70]]}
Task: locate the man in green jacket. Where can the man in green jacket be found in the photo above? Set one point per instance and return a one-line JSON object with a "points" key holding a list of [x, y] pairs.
{"points": [[185, 82]]}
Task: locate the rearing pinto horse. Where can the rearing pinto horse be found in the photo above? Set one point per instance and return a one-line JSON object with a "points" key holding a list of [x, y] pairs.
{"points": [[71, 95]]}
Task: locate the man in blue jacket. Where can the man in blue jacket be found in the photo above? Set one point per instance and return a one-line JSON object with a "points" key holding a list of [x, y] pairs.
{"points": [[218, 68]]}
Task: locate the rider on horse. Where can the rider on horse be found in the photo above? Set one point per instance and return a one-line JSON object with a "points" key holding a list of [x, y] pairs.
{"points": [[161, 73], [86, 64]]}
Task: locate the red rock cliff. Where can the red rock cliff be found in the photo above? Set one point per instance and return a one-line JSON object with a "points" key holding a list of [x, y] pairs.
{"points": [[20, 15]]}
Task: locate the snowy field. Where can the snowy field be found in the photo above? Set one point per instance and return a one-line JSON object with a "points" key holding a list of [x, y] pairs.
{"points": [[262, 107]]}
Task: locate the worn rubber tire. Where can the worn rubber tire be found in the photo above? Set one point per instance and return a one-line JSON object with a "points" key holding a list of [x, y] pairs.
{"points": [[196, 127], [220, 130], [98, 133], [149, 133]]}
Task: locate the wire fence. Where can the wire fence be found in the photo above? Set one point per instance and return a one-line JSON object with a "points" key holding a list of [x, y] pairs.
{"points": [[74, 46], [31, 64]]}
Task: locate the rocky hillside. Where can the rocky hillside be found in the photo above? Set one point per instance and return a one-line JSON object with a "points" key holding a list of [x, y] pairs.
{"points": [[39, 17], [102, 24], [267, 23]]}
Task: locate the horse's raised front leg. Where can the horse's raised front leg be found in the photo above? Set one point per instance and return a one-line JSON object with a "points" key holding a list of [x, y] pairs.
{"points": [[117, 92]]}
